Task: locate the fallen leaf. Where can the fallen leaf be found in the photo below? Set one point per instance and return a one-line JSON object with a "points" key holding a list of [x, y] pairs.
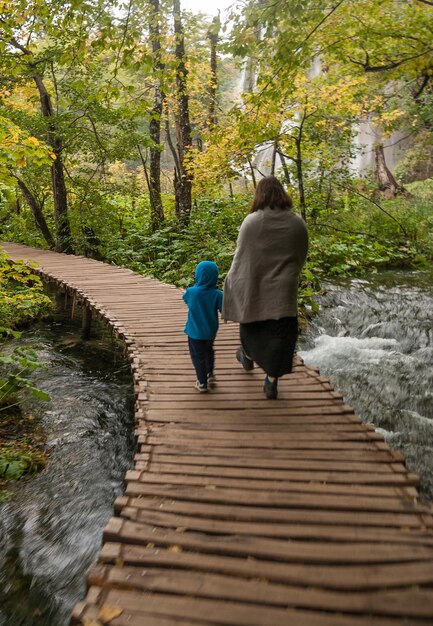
{"points": [[108, 612], [175, 549]]}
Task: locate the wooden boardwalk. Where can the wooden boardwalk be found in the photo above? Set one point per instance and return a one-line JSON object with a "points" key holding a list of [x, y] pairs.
{"points": [[242, 511]]}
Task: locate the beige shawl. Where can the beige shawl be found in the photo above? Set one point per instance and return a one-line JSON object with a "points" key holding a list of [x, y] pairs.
{"points": [[263, 279]]}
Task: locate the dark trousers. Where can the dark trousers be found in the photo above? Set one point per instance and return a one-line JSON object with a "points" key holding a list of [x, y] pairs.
{"points": [[202, 357]]}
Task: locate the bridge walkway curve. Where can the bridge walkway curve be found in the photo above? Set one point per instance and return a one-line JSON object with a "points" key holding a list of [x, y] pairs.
{"points": [[242, 511]]}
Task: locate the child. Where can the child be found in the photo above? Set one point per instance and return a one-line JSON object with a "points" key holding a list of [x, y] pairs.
{"points": [[204, 301]]}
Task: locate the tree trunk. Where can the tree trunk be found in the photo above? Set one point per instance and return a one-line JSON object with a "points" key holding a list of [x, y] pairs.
{"points": [[183, 180], [36, 209], [157, 212], [213, 36], [388, 186], [285, 168], [253, 175], [300, 174], [232, 195], [63, 231], [274, 157]]}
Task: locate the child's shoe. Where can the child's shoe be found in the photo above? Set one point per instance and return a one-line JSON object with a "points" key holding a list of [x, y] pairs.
{"points": [[270, 389], [201, 387], [211, 379]]}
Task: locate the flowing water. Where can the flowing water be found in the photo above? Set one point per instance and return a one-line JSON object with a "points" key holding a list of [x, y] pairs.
{"points": [[374, 340], [51, 529]]}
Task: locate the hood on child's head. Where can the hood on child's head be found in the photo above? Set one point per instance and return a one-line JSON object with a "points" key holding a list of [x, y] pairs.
{"points": [[206, 274]]}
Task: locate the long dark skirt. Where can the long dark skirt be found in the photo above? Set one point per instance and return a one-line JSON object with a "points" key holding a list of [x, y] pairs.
{"points": [[271, 344]]}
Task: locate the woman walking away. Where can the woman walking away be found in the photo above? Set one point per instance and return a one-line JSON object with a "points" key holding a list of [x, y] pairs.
{"points": [[261, 288]]}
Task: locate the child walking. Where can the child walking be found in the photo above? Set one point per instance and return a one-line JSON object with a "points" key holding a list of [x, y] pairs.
{"points": [[204, 301]]}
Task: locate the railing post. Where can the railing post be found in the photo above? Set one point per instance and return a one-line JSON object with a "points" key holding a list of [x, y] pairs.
{"points": [[87, 322], [74, 303]]}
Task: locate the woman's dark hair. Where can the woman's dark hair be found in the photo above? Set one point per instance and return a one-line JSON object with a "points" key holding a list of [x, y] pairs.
{"points": [[270, 193]]}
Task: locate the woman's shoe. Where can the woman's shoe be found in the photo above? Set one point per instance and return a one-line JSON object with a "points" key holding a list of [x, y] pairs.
{"points": [[271, 389], [244, 360], [202, 388]]}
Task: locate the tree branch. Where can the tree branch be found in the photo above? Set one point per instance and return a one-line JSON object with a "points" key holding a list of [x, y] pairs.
{"points": [[424, 83], [376, 204], [310, 34], [122, 43], [146, 173], [389, 66], [95, 131], [171, 145]]}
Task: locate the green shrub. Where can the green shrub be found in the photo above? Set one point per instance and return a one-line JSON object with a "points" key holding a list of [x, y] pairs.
{"points": [[20, 458], [22, 299], [14, 370], [22, 296]]}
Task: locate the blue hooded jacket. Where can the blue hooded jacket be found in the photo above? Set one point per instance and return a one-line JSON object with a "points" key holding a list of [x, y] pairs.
{"points": [[204, 301]]}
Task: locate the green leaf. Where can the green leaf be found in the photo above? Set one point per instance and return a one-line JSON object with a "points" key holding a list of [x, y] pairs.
{"points": [[41, 395]]}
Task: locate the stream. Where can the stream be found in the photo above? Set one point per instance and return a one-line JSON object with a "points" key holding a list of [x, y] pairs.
{"points": [[51, 529], [374, 340]]}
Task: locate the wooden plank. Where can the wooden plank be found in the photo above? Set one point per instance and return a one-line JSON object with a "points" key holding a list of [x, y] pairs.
{"points": [[250, 513], [293, 551], [209, 431], [207, 611], [341, 576], [303, 531], [344, 477], [272, 443], [273, 410], [372, 454], [297, 465], [411, 602], [216, 481], [277, 498], [215, 429]]}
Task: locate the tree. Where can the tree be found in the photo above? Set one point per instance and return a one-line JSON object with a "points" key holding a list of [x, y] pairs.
{"points": [[22, 56], [74, 60], [17, 149]]}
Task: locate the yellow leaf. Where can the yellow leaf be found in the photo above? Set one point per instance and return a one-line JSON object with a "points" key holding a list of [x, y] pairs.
{"points": [[109, 612], [175, 549], [34, 141]]}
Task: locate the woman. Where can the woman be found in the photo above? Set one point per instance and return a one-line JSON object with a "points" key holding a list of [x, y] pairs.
{"points": [[261, 288]]}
